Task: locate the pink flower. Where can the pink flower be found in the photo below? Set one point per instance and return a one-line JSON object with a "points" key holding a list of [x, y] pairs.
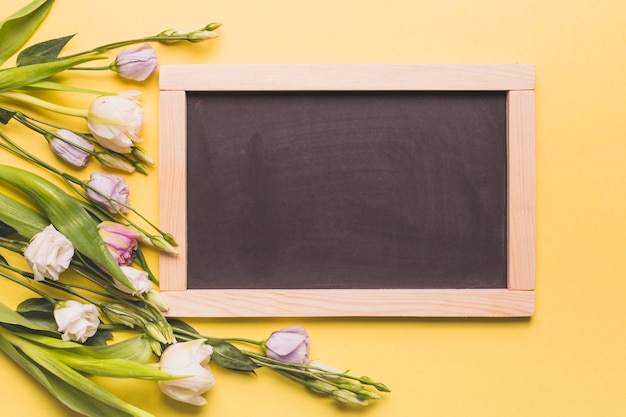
{"points": [[136, 64], [121, 241], [289, 345], [66, 150], [111, 186]]}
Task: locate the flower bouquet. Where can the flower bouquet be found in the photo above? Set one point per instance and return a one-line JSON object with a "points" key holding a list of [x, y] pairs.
{"points": [[79, 247]]}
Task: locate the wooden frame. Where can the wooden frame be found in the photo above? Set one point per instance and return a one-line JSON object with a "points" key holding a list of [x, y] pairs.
{"points": [[517, 300]]}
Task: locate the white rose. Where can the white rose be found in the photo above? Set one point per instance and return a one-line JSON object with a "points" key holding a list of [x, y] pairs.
{"points": [[115, 121], [187, 358], [48, 254], [76, 321], [139, 280]]}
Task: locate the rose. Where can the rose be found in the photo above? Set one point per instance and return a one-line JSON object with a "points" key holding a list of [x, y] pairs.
{"points": [[289, 345], [136, 64], [76, 321], [64, 148], [48, 254], [121, 241], [139, 280], [187, 359], [115, 121], [102, 188]]}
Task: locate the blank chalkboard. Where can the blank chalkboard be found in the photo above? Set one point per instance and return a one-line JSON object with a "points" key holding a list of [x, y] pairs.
{"points": [[334, 191]]}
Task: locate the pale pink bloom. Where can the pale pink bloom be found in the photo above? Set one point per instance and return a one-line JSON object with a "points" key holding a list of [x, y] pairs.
{"points": [[289, 345], [66, 150], [111, 186], [136, 64], [121, 241]]}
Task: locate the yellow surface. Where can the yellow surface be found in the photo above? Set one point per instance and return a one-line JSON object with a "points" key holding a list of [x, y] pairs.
{"points": [[568, 360]]}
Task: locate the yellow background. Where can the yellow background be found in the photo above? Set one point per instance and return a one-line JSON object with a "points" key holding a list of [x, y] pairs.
{"points": [[568, 360]]}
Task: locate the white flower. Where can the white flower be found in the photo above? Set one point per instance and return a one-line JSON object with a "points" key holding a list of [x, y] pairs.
{"points": [[48, 254], [115, 121], [187, 358], [139, 280], [76, 321]]}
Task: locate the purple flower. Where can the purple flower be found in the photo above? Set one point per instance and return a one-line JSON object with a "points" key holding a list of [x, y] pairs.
{"points": [[289, 345], [121, 241], [136, 64], [111, 186], [68, 152]]}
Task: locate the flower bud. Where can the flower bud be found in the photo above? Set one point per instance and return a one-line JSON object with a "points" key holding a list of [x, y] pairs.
{"points": [[160, 243], [114, 161], [67, 146], [349, 397], [118, 314], [111, 186], [141, 155], [366, 394], [156, 298], [156, 333], [320, 386]]}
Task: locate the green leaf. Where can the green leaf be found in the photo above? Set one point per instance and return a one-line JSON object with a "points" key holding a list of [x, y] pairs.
{"points": [[76, 391], [229, 357], [46, 51], [20, 26], [67, 216], [6, 230], [26, 221], [100, 338], [35, 305], [181, 325], [135, 349], [6, 115], [64, 392], [18, 77], [39, 311], [8, 316]]}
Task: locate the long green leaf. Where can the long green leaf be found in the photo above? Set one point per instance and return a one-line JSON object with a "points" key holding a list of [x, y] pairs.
{"points": [[20, 26], [8, 316], [78, 381], [135, 348], [64, 392], [23, 219], [67, 216], [18, 77]]}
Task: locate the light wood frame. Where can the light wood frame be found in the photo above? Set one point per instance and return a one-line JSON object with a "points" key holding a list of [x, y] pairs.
{"points": [[518, 300]]}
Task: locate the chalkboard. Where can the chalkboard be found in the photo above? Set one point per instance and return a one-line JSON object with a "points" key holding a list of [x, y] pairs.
{"points": [[293, 192]]}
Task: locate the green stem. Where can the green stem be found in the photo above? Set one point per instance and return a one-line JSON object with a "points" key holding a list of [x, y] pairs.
{"points": [[57, 108], [26, 285]]}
